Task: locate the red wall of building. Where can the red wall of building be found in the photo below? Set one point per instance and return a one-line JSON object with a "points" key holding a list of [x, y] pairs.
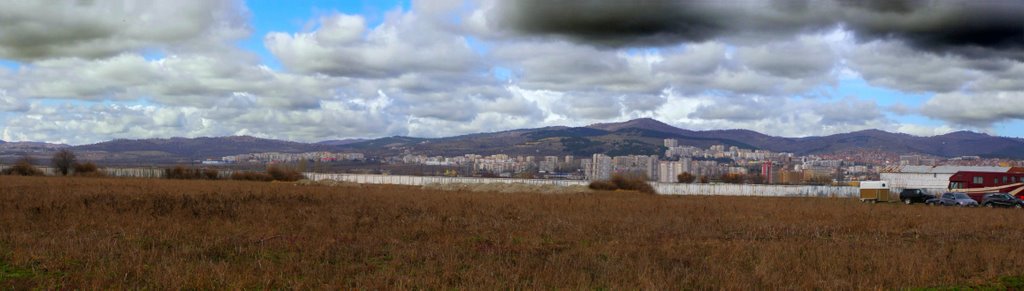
{"points": [[988, 179]]}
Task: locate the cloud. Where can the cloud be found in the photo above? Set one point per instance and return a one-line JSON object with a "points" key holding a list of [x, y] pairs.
{"points": [[979, 109], [344, 46], [660, 22], [76, 78], [969, 28], [565, 66], [10, 103], [924, 130], [430, 71], [39, 30], [784, 116], [893, 65], [778, 68], [195, 80], [735, 109], [973, 29], [802, 58], [456, 67], [1008, 79], [638, 77], [83, 123]]}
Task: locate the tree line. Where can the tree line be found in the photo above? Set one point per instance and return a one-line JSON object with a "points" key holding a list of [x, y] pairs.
{"points": [[64, 163]]}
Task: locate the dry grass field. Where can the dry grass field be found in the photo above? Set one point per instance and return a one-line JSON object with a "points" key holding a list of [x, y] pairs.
{"points": [[98, 233]]}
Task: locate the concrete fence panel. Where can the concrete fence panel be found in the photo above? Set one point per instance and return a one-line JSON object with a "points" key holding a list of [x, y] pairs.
{"points": [[662, 188]]}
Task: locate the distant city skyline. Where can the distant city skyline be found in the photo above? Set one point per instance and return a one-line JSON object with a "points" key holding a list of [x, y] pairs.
{"points": [[81, 72]]}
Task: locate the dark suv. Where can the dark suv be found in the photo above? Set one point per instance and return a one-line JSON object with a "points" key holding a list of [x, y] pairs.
{"points": [[911, 196], [1001, 200]]}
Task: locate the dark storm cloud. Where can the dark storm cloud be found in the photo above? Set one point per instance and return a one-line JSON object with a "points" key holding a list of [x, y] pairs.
{"points": [[611, 22], [623, 23], [969, 28]]}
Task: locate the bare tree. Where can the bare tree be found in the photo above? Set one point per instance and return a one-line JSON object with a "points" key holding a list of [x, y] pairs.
{"points": [[63, 161]]}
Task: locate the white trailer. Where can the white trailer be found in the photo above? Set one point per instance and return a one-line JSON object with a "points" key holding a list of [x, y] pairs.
{"points": [[875, 191]]}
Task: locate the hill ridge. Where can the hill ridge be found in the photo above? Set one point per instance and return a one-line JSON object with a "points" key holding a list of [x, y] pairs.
{"points": [[637, 136]]}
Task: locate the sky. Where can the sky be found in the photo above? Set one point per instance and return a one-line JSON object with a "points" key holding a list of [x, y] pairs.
{"points": [[88, 71]]}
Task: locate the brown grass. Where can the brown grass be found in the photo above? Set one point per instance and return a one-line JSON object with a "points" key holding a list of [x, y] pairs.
{"points": [[75, 233]]}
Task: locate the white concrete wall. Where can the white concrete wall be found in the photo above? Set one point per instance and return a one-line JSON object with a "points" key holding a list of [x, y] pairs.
{"points": [[421, 180], [134, 172], [757, 190], [661, 188]]}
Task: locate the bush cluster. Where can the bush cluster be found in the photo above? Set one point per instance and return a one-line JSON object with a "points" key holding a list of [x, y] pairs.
{"points": [[251, 176], [273, 173], [686, 177], [87, 169], [624, 182], [603, 185], [23, 167], [183, 173], [279, 173]]}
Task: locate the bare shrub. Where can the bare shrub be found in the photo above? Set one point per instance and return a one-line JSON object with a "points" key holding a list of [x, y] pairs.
{"points": [[603, 185], [634, 182], [211, 174], [732, 178], [87, 169], [24, 167], [286, 174], [180, 172], [756, 178], [251, 176], [686, 177]]}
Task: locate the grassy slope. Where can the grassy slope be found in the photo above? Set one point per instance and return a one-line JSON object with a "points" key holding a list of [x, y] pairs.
{"points": [[158, 234]]}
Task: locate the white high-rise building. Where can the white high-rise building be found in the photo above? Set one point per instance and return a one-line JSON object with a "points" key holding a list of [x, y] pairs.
{"points": [[601, 168], [668, 170]]}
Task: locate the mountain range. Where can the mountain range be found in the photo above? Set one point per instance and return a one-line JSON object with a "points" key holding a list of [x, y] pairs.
{"points": [[646, 136], [638, 136]]}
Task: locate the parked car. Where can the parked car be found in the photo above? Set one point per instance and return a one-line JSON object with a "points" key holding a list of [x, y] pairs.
{"points": [[953, 198], [1001, 200], [911, 196]]}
